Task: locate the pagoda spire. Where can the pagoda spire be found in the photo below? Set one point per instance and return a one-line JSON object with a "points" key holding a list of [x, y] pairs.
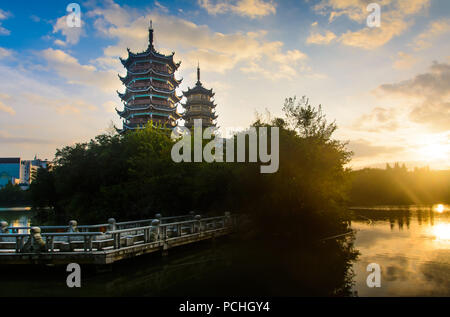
{"points": [[198, 73], [150, 34]]}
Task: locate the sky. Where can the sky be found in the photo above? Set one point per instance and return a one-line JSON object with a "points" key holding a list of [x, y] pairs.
{"points": [[387, 87]]}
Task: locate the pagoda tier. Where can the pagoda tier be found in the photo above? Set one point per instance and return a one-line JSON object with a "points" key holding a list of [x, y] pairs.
{"points": [[150, 86], [199, 105]]}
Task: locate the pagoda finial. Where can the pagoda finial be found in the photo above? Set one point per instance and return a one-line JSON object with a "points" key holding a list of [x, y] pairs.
{"points": [[198, 72], [150, 34]]}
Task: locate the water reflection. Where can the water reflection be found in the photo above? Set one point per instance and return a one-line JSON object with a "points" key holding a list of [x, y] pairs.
{"points": [[17, 217], [411, 245]]}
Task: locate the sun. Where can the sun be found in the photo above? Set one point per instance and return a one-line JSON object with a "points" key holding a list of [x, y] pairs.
{"points": [[434, 151], [440, 208]]}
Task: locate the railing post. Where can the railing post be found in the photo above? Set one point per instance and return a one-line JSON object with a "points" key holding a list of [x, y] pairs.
{"points": [[3, 227], [199, 223], [35, 242], [116, 238], [112, 224], [49, 243], [87, 243], [226, 221], [156, 223], [73, 226], [19, 244]]}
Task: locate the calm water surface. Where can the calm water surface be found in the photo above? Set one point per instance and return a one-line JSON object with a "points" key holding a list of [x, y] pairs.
{"points": [[410, 243], [412, 247]]}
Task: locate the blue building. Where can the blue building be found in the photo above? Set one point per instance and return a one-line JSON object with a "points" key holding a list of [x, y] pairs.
{"points": [[9, 170]]}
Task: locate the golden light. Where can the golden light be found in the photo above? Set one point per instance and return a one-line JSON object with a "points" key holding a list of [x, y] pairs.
{"points": [[434, 151], [442, 231], [440, 208]]}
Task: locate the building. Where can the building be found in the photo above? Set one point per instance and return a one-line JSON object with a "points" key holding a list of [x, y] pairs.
{"points": [[150, 86], [199, 105], [29, 169], [9, 170]]}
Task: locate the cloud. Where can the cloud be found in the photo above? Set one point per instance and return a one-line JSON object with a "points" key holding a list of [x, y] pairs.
{"points": [[372, 38], [60, 43], [435, 29], [60, 105], [363, 149], [72, 34], [3, 16], [432, 90], [248, 8], [5, 52], [317, 38], [395, 19], [219, 52], [380, 118], [161, 7], [404, 61], [69, 68], [35, 18], [5, 108], [6, 138]]}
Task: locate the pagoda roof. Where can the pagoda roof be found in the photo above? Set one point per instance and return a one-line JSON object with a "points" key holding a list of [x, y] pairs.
{"points": [[137, 127], [149, 88], [150, 52], [199, 89], [146, 107], [150, 71], [200, 102], [189, 114]]}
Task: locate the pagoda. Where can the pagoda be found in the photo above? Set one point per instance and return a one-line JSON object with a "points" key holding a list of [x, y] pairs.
{"points": [[199, 105], [150, 86]]}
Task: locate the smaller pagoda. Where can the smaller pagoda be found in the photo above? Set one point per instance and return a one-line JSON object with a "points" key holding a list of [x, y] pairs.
{"points": [[199, 105]]}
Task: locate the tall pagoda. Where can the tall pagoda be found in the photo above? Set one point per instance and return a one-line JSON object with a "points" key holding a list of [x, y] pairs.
{"points": [[199, 105], [150, 86]]}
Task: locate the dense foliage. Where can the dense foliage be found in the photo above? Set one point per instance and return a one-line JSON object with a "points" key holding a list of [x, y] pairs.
{"points": [[398, 186], [13, 195]]}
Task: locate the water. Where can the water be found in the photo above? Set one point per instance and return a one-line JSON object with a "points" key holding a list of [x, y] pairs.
{"points": [[410, 243], [17, 216]]}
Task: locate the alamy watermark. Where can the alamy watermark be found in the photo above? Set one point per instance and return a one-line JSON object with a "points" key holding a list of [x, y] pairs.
{"points": [[374, 278], [374, 19], [214, 150], [74, 278], [73, 19]]}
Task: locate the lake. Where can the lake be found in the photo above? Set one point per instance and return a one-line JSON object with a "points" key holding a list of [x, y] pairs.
{"points": [[411, 244]]}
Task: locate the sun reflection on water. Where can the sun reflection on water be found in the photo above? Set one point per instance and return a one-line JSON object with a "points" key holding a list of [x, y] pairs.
{"points": [[442, 232], [440, 208]]}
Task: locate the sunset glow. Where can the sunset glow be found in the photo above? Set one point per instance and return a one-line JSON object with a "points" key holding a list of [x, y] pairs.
{"points": [[387, 87]]}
